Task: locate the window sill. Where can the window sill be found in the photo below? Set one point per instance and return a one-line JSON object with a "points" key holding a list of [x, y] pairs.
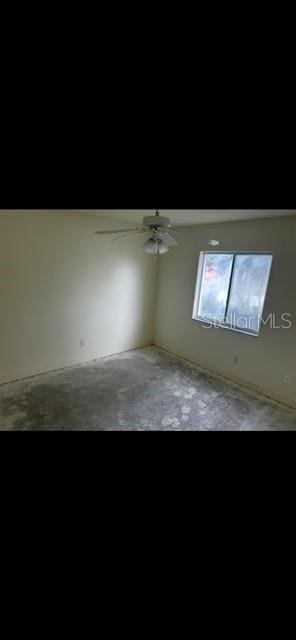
{"points": [[213, 325]]}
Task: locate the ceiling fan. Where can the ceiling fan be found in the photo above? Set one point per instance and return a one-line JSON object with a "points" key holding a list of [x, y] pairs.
{"points": [[160, 239]]}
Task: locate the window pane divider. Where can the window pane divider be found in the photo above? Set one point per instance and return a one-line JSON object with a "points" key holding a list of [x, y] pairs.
{"points": [[229, 288]]}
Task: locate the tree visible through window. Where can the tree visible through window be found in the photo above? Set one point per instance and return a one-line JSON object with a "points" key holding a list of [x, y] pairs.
{"points": [[231, 290]]}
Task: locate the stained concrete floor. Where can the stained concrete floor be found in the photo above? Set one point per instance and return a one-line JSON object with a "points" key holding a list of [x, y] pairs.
{"points": [[145, 389]]}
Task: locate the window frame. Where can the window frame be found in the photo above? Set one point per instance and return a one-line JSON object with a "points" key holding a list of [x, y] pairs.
{"points": [[199, 283]]}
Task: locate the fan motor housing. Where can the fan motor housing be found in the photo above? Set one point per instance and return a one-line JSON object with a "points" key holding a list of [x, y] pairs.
{"points": [[156, 221]]}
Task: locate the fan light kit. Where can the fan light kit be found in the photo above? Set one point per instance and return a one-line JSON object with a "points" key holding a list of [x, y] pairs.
{"points": [[160, 239]]}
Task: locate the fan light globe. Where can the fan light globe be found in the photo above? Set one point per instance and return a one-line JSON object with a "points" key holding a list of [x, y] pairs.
{"points": [[155, 247], [162, 248]]}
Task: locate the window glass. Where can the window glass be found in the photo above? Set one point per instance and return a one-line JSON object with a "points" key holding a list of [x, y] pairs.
{"points": [[215, 286], [248, 290]]}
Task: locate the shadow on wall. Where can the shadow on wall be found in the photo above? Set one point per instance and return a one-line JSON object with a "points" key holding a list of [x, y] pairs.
{"points": [[133, 281]]}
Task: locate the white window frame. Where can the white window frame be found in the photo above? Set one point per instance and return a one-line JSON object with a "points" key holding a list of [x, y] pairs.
{"points": [[199, 283]]}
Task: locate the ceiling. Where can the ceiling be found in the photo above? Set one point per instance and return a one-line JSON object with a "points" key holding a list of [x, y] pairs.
{"points": [[193, 217], [179, 217]]}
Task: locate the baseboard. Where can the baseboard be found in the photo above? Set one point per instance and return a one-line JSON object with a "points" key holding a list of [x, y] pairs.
{"points": [[75, 365], [238, 383]]}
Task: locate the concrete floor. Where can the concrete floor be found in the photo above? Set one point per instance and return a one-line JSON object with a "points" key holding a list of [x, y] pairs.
{"points": [[145, 389]]}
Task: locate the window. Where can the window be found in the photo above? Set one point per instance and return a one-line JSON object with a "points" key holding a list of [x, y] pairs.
{"points": [[231, 290]]}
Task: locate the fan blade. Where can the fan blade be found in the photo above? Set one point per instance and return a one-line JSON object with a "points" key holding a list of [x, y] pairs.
{"points": [[130, 235], [168, 239], [213, 243], [105, 233]]}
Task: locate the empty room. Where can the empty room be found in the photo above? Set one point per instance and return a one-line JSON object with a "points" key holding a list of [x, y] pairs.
{"points": [[147, 320]]}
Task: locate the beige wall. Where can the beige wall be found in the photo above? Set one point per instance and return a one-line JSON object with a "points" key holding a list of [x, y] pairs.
{"points": [[262, 361], [59, 284]]}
